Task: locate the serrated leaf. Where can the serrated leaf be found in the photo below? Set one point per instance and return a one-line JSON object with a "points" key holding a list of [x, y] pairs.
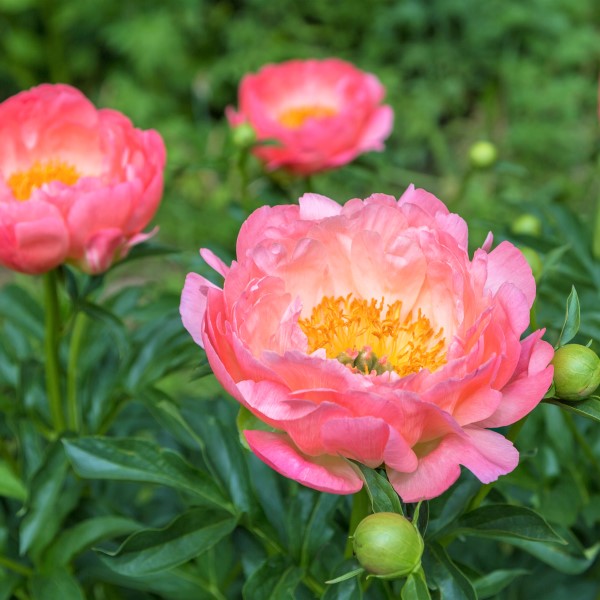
{"points": [[588, 408], [491, 584], [447, 577], [155, 550], [572, 319], [382, 495], [10, 485], [56, 584], [274, 579], [141, 460], [506, 520], [83, 536]]}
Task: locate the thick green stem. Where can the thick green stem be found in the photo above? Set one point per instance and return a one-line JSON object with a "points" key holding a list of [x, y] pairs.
{"points": [[484, 490], [51, 347], [73, 408], [14, 566], [360, 509]]}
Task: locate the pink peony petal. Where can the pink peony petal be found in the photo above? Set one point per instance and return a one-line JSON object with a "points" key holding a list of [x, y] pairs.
{"points": [[324, 473]]}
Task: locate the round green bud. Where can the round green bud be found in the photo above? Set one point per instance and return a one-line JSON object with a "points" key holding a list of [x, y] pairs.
{"points": [[576, 372], [534, 260], [387, 545], [483, 154], [244, 135], [527, 224]]}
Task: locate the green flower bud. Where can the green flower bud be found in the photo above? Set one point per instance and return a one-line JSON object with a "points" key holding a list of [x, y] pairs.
{"points": [[244, 135], [527, 224], [483, 155], [387, 545], [534, 260], [576, 372]]}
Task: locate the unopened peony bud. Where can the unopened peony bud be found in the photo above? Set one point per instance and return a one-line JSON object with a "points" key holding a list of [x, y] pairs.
{"points": [[576, 372], [527, 224], [244, 135], [388, 545], [483, 155]]}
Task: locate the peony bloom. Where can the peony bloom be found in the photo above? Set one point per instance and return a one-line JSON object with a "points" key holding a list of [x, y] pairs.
{"points": [[321, 113], [77, 184], [365, 332]]}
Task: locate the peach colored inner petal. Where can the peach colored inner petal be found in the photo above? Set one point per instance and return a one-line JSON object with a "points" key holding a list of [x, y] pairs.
{"points": [[295, 116], [23, 183]]}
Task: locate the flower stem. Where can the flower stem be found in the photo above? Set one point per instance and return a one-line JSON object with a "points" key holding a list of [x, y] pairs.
{"points": [[14, 566], [360, 509], [73, 409], [52, 317]]}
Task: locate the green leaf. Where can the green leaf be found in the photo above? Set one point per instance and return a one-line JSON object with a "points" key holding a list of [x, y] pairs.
{"points": [[154, 550], [45, 494], [8, 582], [10, 485], [275, 579], [447, 577], [54, 585], [572, 319], [415, 587], [83, 536], [114, 325], [168, 415], [226, 455], [506, 520], [141, 460], [491, 584], [588, 408], [383, 496], [317, 530], [571, 558], [249, 421]]}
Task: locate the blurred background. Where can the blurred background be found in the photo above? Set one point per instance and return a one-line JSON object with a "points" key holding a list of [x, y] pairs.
{"points": [[522, 75]]}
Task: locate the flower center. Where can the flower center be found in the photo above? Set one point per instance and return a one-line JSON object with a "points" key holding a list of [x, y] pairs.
{"points": [[295, 117], [368, 337], [22, 183]]}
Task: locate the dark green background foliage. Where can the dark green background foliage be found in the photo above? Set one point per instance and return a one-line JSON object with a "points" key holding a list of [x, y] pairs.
{"points": [[207, 519]]}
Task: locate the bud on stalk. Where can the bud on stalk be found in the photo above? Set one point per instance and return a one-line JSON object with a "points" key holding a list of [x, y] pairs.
{"points": [[388, 545], [576, 372]]}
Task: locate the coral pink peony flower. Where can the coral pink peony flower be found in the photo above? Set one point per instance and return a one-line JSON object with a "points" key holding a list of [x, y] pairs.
{"points": [[365, 332], [77, 184], [321, 113]]}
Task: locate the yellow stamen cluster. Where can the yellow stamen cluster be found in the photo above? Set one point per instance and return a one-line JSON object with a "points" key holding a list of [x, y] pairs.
{"points": [[349, 327], [295, 117], [22, 183]]}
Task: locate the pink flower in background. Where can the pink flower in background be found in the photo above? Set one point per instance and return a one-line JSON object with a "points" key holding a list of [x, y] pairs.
{"points": [[366, 332], [77, 184], [321, 114]]}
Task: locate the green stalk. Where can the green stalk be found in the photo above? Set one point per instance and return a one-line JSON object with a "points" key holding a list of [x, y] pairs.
{"points": [[14, 566], [52, 316], [73, 409], [360, 509]]}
